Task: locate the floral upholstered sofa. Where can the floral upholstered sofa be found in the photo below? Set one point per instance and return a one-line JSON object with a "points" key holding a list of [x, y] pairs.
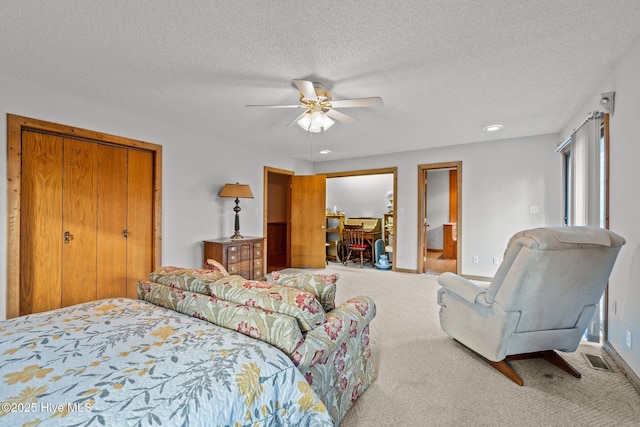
{"points": [[296, 314]]}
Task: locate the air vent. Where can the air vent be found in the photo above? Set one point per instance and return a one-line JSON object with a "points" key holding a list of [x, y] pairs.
{"points": [[597, 362]]}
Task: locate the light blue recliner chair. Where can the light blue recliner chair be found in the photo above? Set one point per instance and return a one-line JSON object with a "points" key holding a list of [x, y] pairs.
{"points": [[540, 300]]}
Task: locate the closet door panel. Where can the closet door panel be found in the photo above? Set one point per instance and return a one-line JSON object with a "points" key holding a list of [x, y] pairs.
{"points": [[79, 203], [40, 223], [112, 221], [140, 219]]}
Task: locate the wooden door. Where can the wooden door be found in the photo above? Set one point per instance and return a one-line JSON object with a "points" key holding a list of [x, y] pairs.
{"points": [[140, 219], [87, 221], [79, 222], [41, 222], [308, 214], [111, 222]]}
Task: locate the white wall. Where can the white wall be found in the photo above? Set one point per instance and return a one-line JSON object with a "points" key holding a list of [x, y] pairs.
{"points": [[500, 181], [624, 203], [195, 166], [360, 196]]}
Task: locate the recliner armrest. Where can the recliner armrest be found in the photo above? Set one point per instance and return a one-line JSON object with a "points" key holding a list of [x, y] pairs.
{"points": [[462, 287]]}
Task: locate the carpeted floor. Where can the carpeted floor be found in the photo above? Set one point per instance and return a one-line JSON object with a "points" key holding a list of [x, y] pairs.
{"points": [[424, 378]]}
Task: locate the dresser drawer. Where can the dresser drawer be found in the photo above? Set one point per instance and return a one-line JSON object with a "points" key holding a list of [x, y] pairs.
{"points": [[257, 250]]}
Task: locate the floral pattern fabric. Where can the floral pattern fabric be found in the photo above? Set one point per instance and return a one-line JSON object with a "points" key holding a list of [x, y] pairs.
{"points": [[281, 331], [212, 264], [334, 357], [128, 362], [280, 299], [322, 286]]}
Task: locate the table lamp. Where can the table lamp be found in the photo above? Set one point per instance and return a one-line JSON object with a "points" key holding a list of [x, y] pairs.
{"points": [[237, 191]]}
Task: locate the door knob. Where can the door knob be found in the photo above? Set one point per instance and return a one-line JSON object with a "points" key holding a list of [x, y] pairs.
{"points": [[67, 237]]}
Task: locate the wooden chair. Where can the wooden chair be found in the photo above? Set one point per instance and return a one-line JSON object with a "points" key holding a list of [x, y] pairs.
{"points": [[353, 237]]}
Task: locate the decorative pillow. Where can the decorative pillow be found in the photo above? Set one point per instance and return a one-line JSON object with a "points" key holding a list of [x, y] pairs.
{"points": [[208, 274], [212, 264], [322, 286]]}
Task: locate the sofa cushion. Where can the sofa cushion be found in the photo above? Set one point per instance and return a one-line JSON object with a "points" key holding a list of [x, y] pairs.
{"points": [[279, 330], [322, 286], [208, 274], [268, 296]]}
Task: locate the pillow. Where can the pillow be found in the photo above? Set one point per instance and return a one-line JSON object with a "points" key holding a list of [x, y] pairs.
{"points": [[212, 264], [191, 279], [322, 286]]}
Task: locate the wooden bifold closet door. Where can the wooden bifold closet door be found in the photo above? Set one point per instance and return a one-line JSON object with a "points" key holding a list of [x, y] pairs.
{"points": [[86, 227]]}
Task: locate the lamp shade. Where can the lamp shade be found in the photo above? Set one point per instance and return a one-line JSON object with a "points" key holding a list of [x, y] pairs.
{"points": [[237, 191]]}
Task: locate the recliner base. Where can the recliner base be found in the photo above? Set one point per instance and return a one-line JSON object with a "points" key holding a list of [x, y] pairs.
{"points": [[505, 368]]}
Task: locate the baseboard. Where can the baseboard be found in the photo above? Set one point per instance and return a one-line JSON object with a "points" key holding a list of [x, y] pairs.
{"points": [[405, 270], [633, 378]]}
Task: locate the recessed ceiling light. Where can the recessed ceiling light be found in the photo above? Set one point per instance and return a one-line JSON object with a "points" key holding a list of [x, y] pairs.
{"points": [[493, 128], [324, 151]]}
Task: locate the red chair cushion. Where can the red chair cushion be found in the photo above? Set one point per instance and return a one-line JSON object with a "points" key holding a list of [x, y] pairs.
{"points": [[364, 246]]}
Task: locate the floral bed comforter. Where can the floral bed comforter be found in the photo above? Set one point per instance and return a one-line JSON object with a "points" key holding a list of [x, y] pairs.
{"points": [[125, 362]]}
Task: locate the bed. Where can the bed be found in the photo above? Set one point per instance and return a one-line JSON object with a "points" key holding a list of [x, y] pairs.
{"points": [[128, 362]]}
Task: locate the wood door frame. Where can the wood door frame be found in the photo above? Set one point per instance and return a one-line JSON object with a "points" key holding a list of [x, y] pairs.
{"points": [[379, 171], [422, 191], [15, 126]]}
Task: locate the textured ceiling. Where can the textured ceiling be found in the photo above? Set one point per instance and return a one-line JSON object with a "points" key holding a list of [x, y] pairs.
{"points": [[445, 69]]}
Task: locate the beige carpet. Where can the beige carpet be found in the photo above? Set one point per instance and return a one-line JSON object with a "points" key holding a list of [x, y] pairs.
{"points": [[424, 378]]}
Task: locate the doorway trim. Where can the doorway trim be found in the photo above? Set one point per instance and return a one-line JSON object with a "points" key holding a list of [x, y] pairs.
{"points": [[379, 171], [15, 126], [422, 191]]}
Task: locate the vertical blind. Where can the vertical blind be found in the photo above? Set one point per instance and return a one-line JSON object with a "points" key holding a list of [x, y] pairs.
{"points": [[585, 174]]}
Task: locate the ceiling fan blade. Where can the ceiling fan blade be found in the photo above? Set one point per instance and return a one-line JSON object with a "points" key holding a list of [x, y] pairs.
{"points": [[298, 118], [373, 101], [306, 88], [278, 106], [341, 117]]}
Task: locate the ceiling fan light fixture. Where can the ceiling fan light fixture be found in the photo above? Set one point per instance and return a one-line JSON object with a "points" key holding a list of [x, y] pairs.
{"points": [[320, 110], [328, 122], [305, 121], [315, 121]]}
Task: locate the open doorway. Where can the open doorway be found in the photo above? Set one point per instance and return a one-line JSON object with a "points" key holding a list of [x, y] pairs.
{"points": [[276, 218], [294, 220], [439, 217], [363, 197], [281, 205]]}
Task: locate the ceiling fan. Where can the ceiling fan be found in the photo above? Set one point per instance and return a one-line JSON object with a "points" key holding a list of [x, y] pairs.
{"points": [[319, 107]]}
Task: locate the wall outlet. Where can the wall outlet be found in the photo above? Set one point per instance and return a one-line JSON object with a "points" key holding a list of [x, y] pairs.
{"points": [[474, 259], [629, 339], [534, 209], [496, 260]]}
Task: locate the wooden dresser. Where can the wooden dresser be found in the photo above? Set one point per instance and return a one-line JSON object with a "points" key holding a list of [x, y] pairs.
{"points": [[241, 257]]}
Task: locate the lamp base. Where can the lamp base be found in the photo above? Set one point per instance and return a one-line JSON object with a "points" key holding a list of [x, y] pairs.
{"points": [[237, 236]]}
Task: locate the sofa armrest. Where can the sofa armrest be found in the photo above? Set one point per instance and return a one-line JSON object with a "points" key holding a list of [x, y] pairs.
{"points": [[343, 322], [462, 287]]}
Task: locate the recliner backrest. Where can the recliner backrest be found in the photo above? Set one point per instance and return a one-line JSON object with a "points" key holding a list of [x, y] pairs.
{"points": [[550, 275]]}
